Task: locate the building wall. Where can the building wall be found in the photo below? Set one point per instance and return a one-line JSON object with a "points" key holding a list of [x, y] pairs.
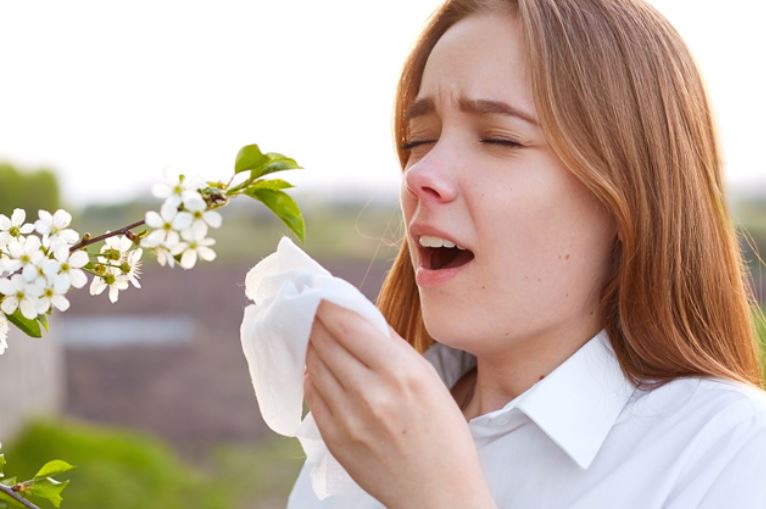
{"points": [[32, 379]]}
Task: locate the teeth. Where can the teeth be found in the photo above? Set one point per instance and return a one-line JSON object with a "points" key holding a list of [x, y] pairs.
{"points": [[430, 241]]}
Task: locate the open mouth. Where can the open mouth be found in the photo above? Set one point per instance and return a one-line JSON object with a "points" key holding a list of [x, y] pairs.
{"points": [[437, 258]]}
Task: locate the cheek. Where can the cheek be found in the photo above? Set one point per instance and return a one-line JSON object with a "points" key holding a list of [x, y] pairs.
{"points": [[549, 243]]}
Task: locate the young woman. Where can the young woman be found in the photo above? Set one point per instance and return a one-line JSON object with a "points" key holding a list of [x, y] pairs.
{"points": [[573, 323]]}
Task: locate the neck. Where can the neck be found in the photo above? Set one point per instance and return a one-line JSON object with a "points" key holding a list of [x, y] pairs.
{"points": [[498, 379]]}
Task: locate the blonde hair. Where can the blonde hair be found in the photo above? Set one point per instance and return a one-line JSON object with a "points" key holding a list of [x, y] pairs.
{"points": [[621, 103]]}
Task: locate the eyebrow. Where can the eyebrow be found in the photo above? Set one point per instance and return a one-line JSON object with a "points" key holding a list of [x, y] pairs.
{"points": [[425, 105]]}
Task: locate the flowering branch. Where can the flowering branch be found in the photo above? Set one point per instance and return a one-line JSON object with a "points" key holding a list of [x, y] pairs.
{"points": [[37, 271]]}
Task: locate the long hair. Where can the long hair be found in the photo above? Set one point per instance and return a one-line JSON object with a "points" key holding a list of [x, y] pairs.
{"points": [[621, 103]]}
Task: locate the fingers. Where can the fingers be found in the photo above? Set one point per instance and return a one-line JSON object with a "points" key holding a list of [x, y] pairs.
{"points": [[320, 375], [322, 413], [357, 335], [346, 368]]}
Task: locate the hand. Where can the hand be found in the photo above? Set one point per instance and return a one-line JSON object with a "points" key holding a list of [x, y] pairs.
{"points": [[387, 417]]}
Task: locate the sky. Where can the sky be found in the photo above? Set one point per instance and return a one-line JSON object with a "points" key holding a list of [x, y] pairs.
{"points": [[111, 94]]}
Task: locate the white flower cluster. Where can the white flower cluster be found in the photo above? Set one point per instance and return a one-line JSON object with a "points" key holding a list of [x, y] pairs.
{"points": [[181, 231], [36, 272], [117, 266]]}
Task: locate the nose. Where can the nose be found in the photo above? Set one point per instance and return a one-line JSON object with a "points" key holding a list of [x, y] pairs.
{"points": [[425, 181]]}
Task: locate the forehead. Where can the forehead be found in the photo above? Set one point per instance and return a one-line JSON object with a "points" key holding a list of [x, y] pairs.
{"points": [[482, 55]]}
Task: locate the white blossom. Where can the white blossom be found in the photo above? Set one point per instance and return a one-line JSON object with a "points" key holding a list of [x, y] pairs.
{"points": [[195, 245], [20, 294], [177, 188], [54, 227], [113, 280], [53, 294], [67, 265], [14, 227], [168, 223], [117, 247], [164, 256], [133, 262], [197, 208], [26, 253], [3, 335]]}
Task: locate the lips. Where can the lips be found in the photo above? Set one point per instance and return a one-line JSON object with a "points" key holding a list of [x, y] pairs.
{"points": [[428, 256], [419, 229]]}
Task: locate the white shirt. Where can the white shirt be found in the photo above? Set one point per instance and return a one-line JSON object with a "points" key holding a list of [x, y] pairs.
{"points": [[584, 437]]}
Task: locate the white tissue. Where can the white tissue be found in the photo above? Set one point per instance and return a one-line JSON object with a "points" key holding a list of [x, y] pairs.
{"points": [[287, 287]]}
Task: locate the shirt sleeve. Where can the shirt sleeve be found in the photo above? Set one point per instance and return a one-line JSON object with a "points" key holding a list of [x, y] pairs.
{"points": [[741, 483]]}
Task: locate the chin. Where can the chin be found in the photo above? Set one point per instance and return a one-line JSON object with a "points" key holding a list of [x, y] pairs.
{"points": [[446, 326]]}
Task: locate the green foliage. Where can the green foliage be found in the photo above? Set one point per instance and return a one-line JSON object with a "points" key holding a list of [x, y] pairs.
{"points": [[41, 487], [30, 191], [282, 205], [116, 469], [46, 488], [258, 164], [250, 158], [29, 327], [259, 472]]}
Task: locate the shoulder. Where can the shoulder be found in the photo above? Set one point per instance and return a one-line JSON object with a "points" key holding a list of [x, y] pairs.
{"points": [[739, 404], [725, 453], [704, 398]]}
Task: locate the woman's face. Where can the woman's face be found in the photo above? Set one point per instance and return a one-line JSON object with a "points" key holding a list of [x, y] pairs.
{"points": [[541, 241]]}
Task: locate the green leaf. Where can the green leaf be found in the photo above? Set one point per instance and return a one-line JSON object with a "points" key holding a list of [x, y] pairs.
{"points": [[283, 206], [277, 162], [43, 319], [49, 489], [249, 157], [270, 184], [53, 467], [2, 464], [9, 481], [29, 327]]}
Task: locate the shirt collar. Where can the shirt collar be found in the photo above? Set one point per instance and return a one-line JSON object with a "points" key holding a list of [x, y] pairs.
{"points": [[576, 404]]}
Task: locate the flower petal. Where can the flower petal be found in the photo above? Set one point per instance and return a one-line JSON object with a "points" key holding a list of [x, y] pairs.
{"points": [[9, 305], [78, 259], [61, 219], [212, 218], [77, 278], [182, 220], [61, 303], [189, 258], [206, 253], [153, 219], [18, 217], [28, 308]]}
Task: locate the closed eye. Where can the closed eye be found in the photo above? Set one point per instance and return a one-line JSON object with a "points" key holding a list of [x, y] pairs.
{"points": [[495, 141], [500, 141]]}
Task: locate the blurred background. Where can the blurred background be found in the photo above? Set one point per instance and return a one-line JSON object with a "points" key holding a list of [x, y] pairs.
{"points": [[150, 396]]}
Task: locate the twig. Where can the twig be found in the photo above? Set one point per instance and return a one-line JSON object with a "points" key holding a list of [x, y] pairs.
{"points": [[124, 229], [83, 243], [11, 493]]}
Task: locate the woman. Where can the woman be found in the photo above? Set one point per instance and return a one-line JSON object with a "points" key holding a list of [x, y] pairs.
{"points": [[595, 340]]}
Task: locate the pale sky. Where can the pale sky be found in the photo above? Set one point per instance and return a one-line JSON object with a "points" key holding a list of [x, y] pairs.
{"points": [[108, 94]]}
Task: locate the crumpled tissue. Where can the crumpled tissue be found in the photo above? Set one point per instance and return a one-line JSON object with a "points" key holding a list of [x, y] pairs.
{"points": [[287, 287]]}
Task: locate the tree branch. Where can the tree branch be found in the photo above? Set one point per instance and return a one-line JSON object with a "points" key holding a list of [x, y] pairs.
{"points": [[119, 231], [11, 493]]}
